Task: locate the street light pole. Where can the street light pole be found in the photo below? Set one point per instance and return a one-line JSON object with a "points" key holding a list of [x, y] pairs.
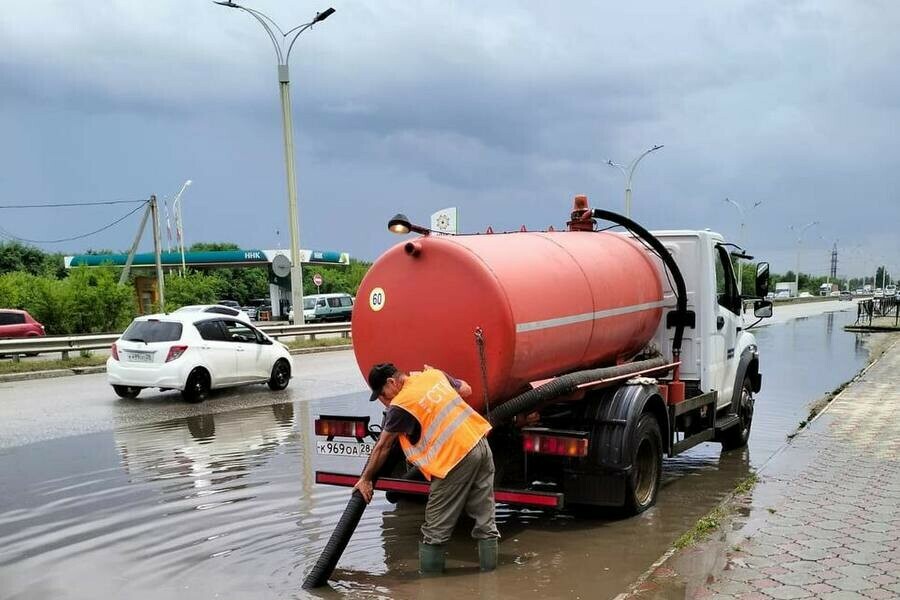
{"points": [[628, 172], [740, 279], [283, 49], [799, 238], [179, 222]]}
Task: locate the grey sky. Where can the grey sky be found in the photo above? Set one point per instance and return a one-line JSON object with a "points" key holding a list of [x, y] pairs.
{"points": [[504, 109]]}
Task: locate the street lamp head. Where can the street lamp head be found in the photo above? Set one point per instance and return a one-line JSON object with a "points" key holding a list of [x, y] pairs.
{"points": [[323, 15], [657, 147], [188, 183], [227, 3]]}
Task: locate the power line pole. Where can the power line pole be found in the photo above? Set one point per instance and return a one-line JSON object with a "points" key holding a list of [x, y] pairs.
{"points": [[157, 243], [134, 246]]}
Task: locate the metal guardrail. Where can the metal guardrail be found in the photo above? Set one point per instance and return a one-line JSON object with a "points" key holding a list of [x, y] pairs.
{"points": [[77, 343]]}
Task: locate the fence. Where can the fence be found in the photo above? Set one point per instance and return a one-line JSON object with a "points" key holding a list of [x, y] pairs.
{"points": [[78, 343], [875, 308]]}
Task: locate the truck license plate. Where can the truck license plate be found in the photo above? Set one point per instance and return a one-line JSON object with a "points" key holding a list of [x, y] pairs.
{"points": [[361, 449], [140, 357]]}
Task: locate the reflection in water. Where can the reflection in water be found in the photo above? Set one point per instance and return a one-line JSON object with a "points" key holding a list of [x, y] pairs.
{"points": [[225, 505]]}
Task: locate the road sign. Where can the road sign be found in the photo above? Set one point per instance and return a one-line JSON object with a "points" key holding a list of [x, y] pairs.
{"points": [[317, 280]]}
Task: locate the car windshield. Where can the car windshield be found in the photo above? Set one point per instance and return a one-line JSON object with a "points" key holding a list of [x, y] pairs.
{"points": [[152, 331], [309, 303]]}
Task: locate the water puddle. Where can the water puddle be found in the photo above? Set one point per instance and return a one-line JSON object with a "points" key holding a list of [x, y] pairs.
{"points": [[224, 505]]}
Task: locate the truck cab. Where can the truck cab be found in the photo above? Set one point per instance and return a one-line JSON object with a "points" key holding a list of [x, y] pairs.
{"points": [[718, 346]]}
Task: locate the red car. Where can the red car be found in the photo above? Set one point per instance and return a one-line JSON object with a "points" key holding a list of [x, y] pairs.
{"points": [[18, 324]]}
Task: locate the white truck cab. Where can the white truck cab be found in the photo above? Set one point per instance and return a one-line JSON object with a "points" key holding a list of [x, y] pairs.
{"points": [[718, 348]]}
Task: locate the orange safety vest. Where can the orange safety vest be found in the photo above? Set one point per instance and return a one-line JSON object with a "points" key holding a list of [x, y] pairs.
{"points": [[450, 427]]}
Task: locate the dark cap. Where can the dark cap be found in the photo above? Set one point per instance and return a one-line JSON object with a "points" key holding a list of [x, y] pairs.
{"points": [[378, 376]]}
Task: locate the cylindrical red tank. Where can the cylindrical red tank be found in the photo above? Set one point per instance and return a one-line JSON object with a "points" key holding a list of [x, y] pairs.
{"points": [[547, 303]]}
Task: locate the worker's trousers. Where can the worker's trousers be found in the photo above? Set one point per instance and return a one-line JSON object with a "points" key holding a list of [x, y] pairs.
{"points": [[470, 486]]}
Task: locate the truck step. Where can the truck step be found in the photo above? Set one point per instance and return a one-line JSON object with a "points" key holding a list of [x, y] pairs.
{"points": [[727, 422]]}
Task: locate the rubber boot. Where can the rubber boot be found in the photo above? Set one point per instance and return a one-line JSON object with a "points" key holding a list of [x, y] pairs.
{"points": [[487, 554], [431, 559]]}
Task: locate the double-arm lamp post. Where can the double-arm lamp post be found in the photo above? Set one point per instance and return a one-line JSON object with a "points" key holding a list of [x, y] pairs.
{"points": [[628, 172], [283, 43]]}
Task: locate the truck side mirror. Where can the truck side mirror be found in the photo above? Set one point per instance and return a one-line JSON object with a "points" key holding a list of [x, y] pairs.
{"points": [[762, 309], [762, 279]]}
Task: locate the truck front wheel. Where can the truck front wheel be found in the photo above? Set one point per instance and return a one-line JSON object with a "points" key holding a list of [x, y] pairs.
{"points": [[642, 484], [738, 435]]}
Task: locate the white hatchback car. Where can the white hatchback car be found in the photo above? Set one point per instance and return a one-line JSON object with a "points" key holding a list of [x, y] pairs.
{"points": [[195, 352]]}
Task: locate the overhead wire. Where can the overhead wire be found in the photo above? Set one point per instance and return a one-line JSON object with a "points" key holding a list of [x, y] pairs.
{"points": [[65, 204], [12, 236]]}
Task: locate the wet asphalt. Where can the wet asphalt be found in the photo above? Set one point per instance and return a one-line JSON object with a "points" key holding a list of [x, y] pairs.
{"points": [[154, 498]]}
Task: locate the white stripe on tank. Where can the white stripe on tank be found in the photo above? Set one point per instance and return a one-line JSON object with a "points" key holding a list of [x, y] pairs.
{"points": [[591, 316]]}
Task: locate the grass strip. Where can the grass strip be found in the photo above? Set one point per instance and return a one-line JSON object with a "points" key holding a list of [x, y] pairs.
{"points": [[712, 520], [319, 343], [28, 366]]}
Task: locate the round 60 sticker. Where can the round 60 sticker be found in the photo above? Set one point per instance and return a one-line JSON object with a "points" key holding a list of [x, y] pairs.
{"points": [[377, 299]]}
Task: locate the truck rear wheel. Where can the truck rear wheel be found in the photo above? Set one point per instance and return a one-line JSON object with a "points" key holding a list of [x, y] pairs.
{"points": [[642, 484]]}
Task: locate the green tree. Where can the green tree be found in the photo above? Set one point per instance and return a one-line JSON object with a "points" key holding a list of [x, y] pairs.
{"points": [[15, 256], [96, 300], [192, 288], [336, 279]]}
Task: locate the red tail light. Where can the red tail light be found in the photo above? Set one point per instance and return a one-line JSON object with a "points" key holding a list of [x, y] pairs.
{"points": [[175, 352], [554, 445], [115, 352], [342, 427]]}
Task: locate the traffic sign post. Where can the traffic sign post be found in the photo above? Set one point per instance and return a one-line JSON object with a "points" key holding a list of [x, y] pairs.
{"points": [[317, 280]]}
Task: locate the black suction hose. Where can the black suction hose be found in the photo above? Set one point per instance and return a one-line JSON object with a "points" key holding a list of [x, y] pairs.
{"points": [[333, 550], [681, 313]]}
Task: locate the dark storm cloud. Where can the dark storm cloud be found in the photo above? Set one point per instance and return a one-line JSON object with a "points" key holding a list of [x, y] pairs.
{"points": [[505, 110]]}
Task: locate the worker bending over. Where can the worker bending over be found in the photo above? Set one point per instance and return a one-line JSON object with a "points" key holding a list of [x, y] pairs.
{"points": [[445, 438]]}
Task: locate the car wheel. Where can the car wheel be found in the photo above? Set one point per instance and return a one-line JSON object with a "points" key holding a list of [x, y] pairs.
{"points": [[281, 375], [126, 391], [643, 481], [196, 389]]}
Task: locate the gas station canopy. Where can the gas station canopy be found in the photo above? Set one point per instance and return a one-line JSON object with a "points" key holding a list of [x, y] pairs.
{"points": [[221, 258]]}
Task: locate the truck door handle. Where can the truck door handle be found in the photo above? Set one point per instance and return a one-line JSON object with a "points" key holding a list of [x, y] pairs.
{"points": [[720, 322], [239, 349]]}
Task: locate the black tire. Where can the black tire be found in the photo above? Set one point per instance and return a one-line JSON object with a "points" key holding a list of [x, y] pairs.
{"points": [[739, 435], [642, 483], [197, 387], [127, 391], [281, 375]]}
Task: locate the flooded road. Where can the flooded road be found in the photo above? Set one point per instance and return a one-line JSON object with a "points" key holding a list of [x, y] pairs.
{"points": [[224, 506]]}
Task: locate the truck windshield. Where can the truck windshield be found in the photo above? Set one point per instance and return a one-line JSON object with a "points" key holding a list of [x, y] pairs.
{"points": [[152, 331], [309, 303]]}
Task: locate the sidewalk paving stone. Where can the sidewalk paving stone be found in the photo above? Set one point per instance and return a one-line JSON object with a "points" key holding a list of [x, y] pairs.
{"points": [[832, 530]]}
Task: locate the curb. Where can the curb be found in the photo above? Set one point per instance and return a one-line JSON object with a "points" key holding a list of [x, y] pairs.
{"points": [[49, 374]]}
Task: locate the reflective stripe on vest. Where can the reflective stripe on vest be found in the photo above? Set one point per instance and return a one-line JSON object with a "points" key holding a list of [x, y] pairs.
{"points": [[449, 426]]}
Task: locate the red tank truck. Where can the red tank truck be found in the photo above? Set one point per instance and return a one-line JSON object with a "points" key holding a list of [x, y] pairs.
{"points": [[593, 353]]}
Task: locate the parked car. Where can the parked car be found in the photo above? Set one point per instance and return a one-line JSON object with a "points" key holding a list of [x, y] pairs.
{"points": [[805, 295], [325, 307], [846, 295], [890, 290], [879, 293], [218, 309], [19, 324], [230, 304], [195, 352]]}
